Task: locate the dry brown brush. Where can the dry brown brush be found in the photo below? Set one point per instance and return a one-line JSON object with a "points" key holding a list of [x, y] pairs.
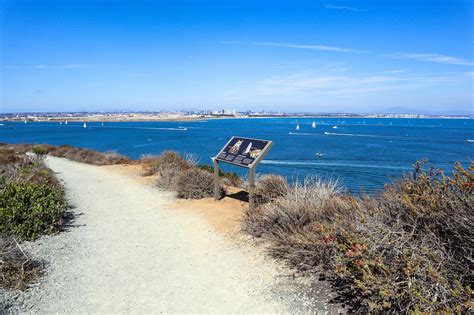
{"points": [[270, 187], [196, 184], [407, 249], [155, 164], [17, 269], [180, 174], [88, 156]]}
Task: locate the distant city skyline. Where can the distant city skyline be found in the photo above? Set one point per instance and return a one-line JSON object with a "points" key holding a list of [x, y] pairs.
{"points": [[293, 56]]}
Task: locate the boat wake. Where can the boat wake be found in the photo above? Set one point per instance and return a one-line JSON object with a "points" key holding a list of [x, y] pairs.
{"points": [[303, 163], [302, 134], [355, 135], [148, 128]]}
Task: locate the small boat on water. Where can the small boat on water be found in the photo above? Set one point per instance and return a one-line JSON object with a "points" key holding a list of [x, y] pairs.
{"points": [[297, 126], [85, 125], [319, 154], [25, 121], [65, 122], [469, 140], [313, 125], [334, 127]]}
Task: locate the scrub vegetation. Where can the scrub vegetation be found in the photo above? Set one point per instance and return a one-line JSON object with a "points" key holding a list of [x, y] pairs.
{"points": [[32, 204], [407, 249], [180, 174]]}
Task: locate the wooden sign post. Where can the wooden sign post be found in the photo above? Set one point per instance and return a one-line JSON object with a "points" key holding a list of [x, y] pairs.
{"points": [[243, 152]]}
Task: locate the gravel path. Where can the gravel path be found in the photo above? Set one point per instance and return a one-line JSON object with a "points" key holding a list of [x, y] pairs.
{"points": [[127, 251]]}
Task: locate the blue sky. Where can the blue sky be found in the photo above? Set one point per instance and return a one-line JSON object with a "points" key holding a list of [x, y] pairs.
{"points": [[315, 56]]}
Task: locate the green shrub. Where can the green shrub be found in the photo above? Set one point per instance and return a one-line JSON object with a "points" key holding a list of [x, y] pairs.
{"points": [[29, 209], [196, 184], [40, 150]]}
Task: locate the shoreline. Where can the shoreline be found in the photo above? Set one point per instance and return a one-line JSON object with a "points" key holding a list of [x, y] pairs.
{"points": [[82, 119]]}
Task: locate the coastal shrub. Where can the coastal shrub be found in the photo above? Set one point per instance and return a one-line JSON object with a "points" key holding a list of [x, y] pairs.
{"points": [[168, 179], [40, 150], [231, 179], [7, 156], [196, 184], [26, 169], [166, 160], [294, 208], [31, 198], [89, 156], [29, 209], [270, 187], [407, 249], [17, 270]]}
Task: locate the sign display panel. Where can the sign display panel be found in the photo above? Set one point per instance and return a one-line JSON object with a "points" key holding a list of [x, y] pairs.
{"points": [[243, 151]]}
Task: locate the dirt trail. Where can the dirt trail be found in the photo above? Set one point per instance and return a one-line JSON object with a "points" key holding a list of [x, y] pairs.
{"points": [[129, 252]]}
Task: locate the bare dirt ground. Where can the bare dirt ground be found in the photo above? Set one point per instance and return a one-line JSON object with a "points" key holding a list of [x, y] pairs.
{"points": [[133, 248]]}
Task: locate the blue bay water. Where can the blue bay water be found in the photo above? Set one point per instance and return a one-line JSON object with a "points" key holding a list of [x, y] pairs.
{"points": [[363, 153]]}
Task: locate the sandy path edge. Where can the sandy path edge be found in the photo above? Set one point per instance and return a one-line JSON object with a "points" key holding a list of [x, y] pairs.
{"points": [[127, 251]]}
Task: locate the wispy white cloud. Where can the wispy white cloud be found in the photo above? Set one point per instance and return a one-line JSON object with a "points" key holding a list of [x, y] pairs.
{"points": [[309, 47], [345, 84], [432, 58], [342, 7], [41, 66]]}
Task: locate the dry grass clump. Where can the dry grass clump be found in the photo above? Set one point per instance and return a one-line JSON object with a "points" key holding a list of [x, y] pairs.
{"points": [[170, 166], [153, 164], [180, 174], [269, 188], [408, 249], [293, 209], [196, 184], [17, 270], [89, 156], [168, 179]]}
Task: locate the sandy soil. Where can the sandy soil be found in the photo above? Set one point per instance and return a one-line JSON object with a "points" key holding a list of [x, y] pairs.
{"points": [[130, 249], [224, 216]]}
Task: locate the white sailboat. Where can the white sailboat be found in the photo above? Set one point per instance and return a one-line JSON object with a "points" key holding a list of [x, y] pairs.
{"points": [[247, 150], [313, 124], [334, 127], [85, 125], [65, 122], [297, 126]]}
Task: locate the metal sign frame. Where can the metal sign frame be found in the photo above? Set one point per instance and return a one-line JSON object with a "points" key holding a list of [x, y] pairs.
{"points": [[252, 167]]}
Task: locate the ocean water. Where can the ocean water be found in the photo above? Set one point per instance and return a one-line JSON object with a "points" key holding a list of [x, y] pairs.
{"points": [[363, 153]]}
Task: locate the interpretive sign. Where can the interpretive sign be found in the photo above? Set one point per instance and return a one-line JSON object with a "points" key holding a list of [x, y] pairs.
{"points": [[243, 152]]}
